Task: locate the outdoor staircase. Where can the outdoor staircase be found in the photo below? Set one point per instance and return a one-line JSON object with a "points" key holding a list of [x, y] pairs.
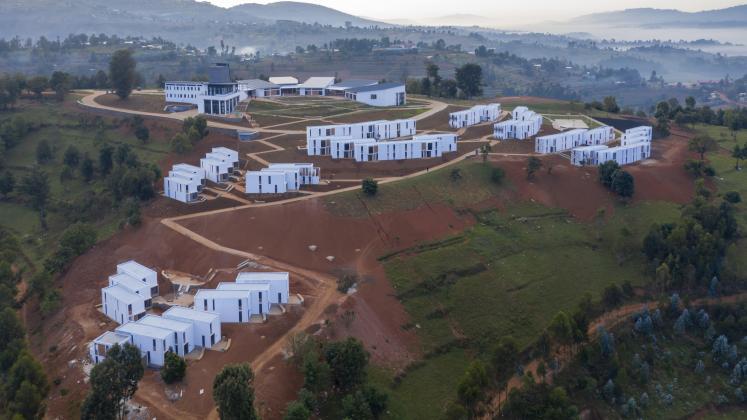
{"points": [[566, 155]]}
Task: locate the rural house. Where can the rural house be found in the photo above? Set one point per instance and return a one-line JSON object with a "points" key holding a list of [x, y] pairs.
{"points": [[206, 324], [475, 115]]}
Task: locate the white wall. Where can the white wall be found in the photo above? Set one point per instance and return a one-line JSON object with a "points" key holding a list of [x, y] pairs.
{"points": [[385, 97], [206, 333], [226, 305], [119, 310], [266, 182]]}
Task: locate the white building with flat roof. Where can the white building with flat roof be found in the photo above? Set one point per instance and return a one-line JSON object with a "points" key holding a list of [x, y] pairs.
{"points": [[218, 96], [586, 155], [419, 147], [99, 347], [625, 155], [308, 173], [153, 342], [267, 182], [231, 305], [206, 324], [182, 186], [183, 332], [278, 282], [599, 135], [559, 142], [642, 134], [219, 163], [475, 115], [121, 305], [140, 272], [380, 94]]}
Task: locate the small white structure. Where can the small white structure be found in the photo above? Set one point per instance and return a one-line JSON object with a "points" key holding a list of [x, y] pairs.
{"points": [[141, 273], [315, 86], [99, 347], [153, 342], [218, 96], [635, 146], [382, 94], [183, 332], [283, 80], [135, 286], [280, 178], [122, 305], [258, 295], [219, 163], [523, 124], [257, 88], [206, 324], [308, 173], [278, 282], [184, 182], [586, 155], [475, 115]]}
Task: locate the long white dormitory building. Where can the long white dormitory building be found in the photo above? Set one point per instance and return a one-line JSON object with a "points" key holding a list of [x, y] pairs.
{"points": [[280, 178], [635, 145], [182, 329], [570, 139], [377, 140], [522, 125], [475, 115], [251, 294]]}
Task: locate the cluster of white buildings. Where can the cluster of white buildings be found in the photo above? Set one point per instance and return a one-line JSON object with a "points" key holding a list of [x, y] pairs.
{"points": [[184, 182], [475, 115], [220, 163], [181, 329], [280, 178], [220, 95], [377, 140], [635, 145], [571, 139], [522, 125]]}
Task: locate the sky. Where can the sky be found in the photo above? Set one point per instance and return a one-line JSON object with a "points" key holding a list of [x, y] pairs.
{"points": [[502, 11]]}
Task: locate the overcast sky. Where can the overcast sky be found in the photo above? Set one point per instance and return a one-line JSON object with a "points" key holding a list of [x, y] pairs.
{"points": [[504, 11]]}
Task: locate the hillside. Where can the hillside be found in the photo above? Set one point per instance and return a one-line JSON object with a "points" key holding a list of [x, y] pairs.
{"points": [[300, 12], [729, 17]]}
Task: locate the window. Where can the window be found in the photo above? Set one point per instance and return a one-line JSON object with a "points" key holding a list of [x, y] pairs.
{"points": [[373, 96], [204, 302], [154, 344]]}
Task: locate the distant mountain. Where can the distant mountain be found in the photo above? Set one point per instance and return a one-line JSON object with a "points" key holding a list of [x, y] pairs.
{"points": [[646, 17], [301, 12], [180, 20]]}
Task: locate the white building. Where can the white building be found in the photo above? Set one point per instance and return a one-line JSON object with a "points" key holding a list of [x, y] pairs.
{"points": [[278, 282], [475, 115], [283, 80], [135, 286], [339, 89], [642, 134], [382, 94], [182, 186], [206, 324], [218, 96], [419, 147], [315, 86], [523, 124], [153, 342], [141, 273], [257, 88], [308, 173], [122, 305], [319, 139], [230, 305], [586, 155], [268, 181], [219, 164], [625, 155], [258, 295], [561, 141], [99, 347], [183, 332], [599, 135]]}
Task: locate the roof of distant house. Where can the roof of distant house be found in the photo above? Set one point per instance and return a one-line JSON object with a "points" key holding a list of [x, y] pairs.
{"points": [[284, 80], [376, 88], [317, 82], [353, 83], [252, 84]]}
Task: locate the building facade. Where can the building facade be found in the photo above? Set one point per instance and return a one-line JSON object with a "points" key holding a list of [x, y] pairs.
{"points": [[218, 96], [475, 115]]}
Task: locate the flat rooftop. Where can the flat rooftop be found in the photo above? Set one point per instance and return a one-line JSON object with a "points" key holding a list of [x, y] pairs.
{"points": [[161, 322], [244, 286], [258, 276], [192, 314], [129, 282], [135, 269], [135, 328], [123, 294], [111, 338]]}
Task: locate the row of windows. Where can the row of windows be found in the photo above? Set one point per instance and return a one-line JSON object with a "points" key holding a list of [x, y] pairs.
{"points": [[183, 88], [182, 96]]}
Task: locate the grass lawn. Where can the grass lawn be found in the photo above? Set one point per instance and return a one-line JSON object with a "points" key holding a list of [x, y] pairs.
{"points": [[435, 187]]}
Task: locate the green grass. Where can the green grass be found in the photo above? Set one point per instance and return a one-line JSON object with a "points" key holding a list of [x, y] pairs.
{"points": [[427, 390], [434, 187]]}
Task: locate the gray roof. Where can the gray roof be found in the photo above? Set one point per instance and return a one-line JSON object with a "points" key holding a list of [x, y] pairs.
{"points": [[374, 88], [219, 73], [252, 84], [353, 83]]}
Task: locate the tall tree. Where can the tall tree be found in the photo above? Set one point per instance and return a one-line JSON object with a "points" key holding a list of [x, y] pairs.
{"points": [[348, 360], [113, 382], [60, 82], [701, 145], [469, 79], [36, 186], [122, 73], [533, 165], [233, 393]]}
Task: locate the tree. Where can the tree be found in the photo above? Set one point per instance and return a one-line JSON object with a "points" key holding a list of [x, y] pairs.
{"points": [[347, 360], [370, 187], [233, 392], [7, 183], [36, 186], [72, 156], [610, 104], [701, 145], [690, 103], [503, 360], [113, 382], [484, 152], [122, 73], [37, 85], [25, 386], [471, 389], [60, 83], [106, 159], [612, 296], [297, 411], [180, 143], [142, 133], [623, 184], [533, 165], [44, 153], [738, 154], [174, 368], [607, 172], [101, 80], [448, 88], [469, 79], [86, 168]]}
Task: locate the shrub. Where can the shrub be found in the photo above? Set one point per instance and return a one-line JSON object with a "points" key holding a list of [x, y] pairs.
{"points": [[497, 175], [174, 368], [733, 197], [370, 186]]}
